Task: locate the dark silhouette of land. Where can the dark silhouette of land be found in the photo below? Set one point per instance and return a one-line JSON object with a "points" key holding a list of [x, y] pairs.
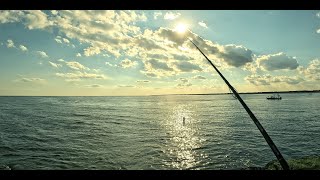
{"points": [[266, 92]]}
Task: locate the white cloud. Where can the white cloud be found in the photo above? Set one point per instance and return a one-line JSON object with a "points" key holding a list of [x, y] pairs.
{"points": [[312, 71], [109, 64], [142, 81], [201, 23], [78, 55], [126, 86], [199, 77], [94, 86], [318, 14], [183, 83], [127, 63], [269, 80], [54, 12], [183, 80], [61, 60], [156, 14], [116, 33], [31, 80], [76, 65], [23, 48], [318, 31], [277, 62], [10, 16], [58, 40], [10, 44], [55, 64], [36, 19], [66, 40], [81, 75], [171, 15], [91, 51], [42, 54]]}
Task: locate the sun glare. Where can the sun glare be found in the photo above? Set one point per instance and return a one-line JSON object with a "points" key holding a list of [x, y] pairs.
{"points": [[181, 28]]}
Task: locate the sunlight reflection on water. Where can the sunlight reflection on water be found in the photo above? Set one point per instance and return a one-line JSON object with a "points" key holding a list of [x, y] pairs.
{"points": [[184, 140]]}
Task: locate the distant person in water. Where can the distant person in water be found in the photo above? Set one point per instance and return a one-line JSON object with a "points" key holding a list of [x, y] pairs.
{"points": [[184, 120]]}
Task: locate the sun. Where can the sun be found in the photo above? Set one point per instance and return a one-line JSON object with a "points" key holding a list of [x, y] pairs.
{"points": [[181, 28]]}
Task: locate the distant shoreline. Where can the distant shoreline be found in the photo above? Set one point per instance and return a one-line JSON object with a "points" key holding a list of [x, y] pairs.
{"points": [[265, 92]]}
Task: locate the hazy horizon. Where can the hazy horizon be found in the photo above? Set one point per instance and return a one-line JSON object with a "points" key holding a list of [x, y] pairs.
{"points": [[137, 53]]}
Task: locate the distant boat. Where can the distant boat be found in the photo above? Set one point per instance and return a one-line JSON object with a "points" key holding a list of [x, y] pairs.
{"points": [[273, 97]]}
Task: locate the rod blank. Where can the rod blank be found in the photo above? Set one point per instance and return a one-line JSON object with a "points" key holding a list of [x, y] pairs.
{"points": [[271, 144]]}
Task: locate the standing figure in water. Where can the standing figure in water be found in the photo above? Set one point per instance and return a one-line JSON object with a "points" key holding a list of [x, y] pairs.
{"points": [[184, 120]]}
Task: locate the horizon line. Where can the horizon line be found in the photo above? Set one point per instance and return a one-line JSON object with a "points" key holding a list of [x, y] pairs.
{"points": [[226, 93]]}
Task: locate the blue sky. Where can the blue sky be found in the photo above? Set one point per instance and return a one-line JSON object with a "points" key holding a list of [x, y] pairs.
{"points": [[142, 53]]}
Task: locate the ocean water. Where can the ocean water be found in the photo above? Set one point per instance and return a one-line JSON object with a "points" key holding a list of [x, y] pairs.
{"points": [[148, 132]]}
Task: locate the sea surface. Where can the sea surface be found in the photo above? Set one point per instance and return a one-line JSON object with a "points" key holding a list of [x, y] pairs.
{"points": [[147, 132]]}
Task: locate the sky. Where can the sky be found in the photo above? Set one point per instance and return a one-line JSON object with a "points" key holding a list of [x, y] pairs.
{"points": [[134, 53]]}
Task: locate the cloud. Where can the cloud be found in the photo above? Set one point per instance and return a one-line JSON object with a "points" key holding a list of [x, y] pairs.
{"points": [[171, 15], [10, 44], [156, 14], [54, 12], [76, 65], [268, 79], [318, 31], [318, 14], [117, 34], [42, 54], [127, 63], [81, 75], [58, 40], [78, 55], [185, 66], [235, 55], [126, 86], [31, 80], [252, 67], [62, 40], [109, 64], [157, 56], [201, 23], [154, 64], [312, 71], [277, 62], [61, 60], [66, 40], [36, 19], [10, 16], [199, 77], [181, 57], [147, 44], [91, 51], [54, 64], [183, 83], [23, 48], [94, 86], [142, 81], [183, 80], [150, 74]]}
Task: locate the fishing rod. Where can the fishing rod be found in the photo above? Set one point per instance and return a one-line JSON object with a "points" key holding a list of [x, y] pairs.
{"points": [[271, 144]]}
